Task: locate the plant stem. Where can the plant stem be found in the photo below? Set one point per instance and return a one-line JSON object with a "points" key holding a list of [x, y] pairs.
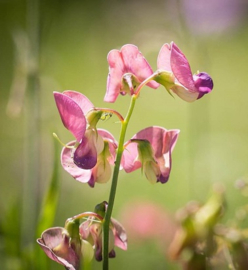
{"points": [[111, 200]]}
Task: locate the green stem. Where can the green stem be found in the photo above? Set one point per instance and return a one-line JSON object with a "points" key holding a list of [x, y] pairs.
{"points": [[111, 200]]}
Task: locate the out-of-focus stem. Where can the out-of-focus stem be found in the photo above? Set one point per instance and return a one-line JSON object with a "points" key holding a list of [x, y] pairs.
{"points": [[31, 198]]}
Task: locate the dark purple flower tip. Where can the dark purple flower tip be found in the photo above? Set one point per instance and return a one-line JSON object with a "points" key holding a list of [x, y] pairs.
{"points": [[203, 83], [112, 254], [163, 179], [85, 156], [98, 254]]}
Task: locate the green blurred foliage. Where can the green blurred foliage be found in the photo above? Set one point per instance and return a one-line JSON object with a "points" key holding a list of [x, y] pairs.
{"points": [[75, 37]]}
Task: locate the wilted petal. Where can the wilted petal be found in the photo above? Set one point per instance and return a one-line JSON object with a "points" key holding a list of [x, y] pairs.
{"points": [[55, 244], [119, 234], [96, 232], [71, 115]]}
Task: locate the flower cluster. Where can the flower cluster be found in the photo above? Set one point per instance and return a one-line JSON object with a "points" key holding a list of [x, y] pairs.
{"points": [[78, 241], [90, 156]]}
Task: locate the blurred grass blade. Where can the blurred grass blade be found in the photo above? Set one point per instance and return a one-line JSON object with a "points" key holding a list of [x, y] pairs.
{"points": [[49, 208], [50, 202]]}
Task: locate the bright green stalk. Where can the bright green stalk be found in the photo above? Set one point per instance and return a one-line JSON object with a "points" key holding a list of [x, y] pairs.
{"points": [[120, 149]]}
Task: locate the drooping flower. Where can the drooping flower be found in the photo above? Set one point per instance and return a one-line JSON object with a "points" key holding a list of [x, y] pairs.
{"points": [[56, 244], [150, 149], [101, 172], [173, 64], [92, 231], [127, 69], [73, 108]]}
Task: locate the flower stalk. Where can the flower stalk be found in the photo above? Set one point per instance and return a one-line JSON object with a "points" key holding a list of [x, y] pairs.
{"points": [[111, 200]]}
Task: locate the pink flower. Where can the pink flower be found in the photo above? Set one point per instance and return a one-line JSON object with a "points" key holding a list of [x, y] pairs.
{"points": [[150, 149], [127, 69], [73, 107], [187, 86], [92, 231], [56, 244], [101, 172]]}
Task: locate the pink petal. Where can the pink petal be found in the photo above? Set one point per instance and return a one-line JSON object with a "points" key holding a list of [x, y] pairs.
{"points": [[77, 173], [83, 102], [181, 68], [119, 234], [107, 136], [71, 115], [163, 61], [184, 94], [136, 64], [116, 71], [52, 238], [129, 161]]}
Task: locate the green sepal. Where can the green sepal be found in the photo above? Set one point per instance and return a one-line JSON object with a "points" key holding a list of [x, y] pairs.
{"points": [[101, 208], [166, 79], [93, 117]]}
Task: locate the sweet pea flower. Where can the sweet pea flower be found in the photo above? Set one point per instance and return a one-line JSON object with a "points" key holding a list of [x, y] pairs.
{"points": [[150, 149], [173, 64], [55, 242], [73, 107], [92, 231], [101, 172], [127, 69]]}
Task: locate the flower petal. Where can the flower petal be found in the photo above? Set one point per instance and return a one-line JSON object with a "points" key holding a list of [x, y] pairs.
{"points": [[55, 238], [119, 234], [116, 71], [71, 115], [84, 103], [77, 173], [136, 64], [163, 61], [130, 160], [181, 68], [107, 136], [184, 94]]}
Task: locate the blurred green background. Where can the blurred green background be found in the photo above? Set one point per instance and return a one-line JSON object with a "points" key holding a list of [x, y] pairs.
{"points": [[69, 42]]}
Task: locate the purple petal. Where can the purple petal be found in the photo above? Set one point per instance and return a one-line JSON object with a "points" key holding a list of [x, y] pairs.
{"points": [[181, 68], [203, 83], [85, 156], [83, 102], [68, 164], [71, 115]]}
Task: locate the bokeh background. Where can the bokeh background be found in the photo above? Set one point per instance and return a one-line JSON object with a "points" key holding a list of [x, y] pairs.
{"points": [[48, 46]]}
